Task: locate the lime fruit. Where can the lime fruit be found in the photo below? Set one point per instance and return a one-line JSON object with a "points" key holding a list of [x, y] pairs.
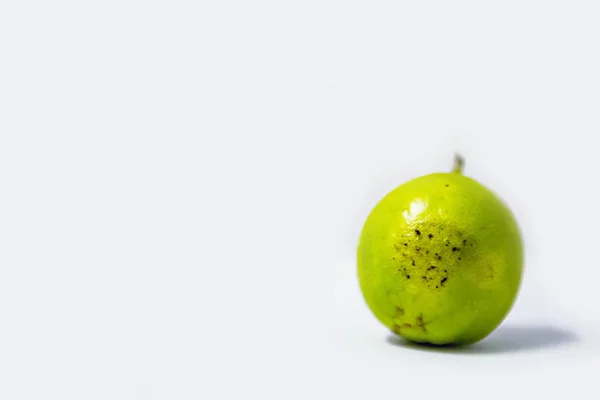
{"points": [[440, 259]]}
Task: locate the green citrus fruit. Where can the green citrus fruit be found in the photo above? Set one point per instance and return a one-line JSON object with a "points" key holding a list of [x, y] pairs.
{"points": [[440, 259]]}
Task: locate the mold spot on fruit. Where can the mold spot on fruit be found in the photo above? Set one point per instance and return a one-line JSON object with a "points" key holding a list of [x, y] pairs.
{"points": [[420, 323], [443, 281], [418, 232], [430, 236]]}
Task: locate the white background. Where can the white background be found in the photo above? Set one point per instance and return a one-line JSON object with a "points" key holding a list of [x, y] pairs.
{"points": [[183, 183]]}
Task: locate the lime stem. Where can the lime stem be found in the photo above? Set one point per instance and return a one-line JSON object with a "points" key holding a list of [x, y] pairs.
{"points": [[459, 164]]}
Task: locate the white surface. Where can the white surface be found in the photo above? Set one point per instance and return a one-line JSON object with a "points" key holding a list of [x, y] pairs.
{"points": [[182, 185]]}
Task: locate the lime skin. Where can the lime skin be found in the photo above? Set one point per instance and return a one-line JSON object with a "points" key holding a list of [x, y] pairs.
{"points": [[440, 260]]}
